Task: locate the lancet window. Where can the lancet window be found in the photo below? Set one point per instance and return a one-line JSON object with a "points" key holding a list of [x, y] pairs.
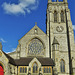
{"points": [[46, 69], [55, 16], [23, 69], [62, 66], [62, 16], [35, 68]]}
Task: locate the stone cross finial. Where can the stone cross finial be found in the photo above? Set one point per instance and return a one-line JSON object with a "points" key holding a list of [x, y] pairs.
{"points": [[35, 23]]}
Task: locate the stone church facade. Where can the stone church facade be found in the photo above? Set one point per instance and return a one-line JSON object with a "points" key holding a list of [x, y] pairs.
{"points": [[39, 53]]}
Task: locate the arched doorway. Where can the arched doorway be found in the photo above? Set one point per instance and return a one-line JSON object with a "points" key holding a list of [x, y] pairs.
{"points": [[1, 70]]}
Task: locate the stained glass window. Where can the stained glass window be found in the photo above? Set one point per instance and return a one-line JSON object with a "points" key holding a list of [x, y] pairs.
{"points": [[35, 47], [46, 70], [49, 70], [20, 70], [35, 68], [62, 66], [25, 70]]}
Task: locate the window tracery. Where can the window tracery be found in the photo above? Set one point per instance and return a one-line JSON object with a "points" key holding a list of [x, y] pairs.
{"points": [[35, 47]]}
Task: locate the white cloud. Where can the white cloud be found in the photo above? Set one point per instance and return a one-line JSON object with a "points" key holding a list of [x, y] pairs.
{"points": [[2, 40], [12, 50], [23, 7], [73, 27]]}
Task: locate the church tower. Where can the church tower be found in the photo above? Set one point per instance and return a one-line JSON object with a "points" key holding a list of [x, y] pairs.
{"points": [[61, 36]]}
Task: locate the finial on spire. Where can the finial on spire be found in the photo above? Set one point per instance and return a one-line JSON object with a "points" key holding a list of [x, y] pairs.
{"points": [[35, 23]]}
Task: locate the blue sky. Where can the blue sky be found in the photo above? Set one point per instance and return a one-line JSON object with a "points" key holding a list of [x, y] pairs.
{"points": [[17, 17]]}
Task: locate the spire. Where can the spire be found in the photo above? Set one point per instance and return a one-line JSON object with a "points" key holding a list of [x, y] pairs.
{"points": [[0, 46], [49, 1]]}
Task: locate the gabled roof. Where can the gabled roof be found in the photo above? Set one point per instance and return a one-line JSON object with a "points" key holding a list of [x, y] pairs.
{"points": [[26, 61], [31, 32], [23, 61]]}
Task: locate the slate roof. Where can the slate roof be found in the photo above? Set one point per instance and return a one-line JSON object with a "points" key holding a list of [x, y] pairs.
{"points": [[26, 61], [46, 61], [11, 60], [23, 61]]}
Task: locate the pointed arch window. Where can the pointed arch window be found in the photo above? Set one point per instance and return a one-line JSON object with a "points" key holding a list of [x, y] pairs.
{"points": [[49, 70], [25, 69], [20, 69], [46, 69], [35, 68], [62, 66], [55, 16], [62, 16]]}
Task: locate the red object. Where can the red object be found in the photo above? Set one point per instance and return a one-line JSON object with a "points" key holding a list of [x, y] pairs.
{"points": [[1, 71]]}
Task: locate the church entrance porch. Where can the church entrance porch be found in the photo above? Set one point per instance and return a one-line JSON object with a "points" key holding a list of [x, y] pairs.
{"points": [[1, 70]]}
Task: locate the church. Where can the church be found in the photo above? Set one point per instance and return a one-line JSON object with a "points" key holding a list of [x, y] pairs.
{"points": [[39, 53]]}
